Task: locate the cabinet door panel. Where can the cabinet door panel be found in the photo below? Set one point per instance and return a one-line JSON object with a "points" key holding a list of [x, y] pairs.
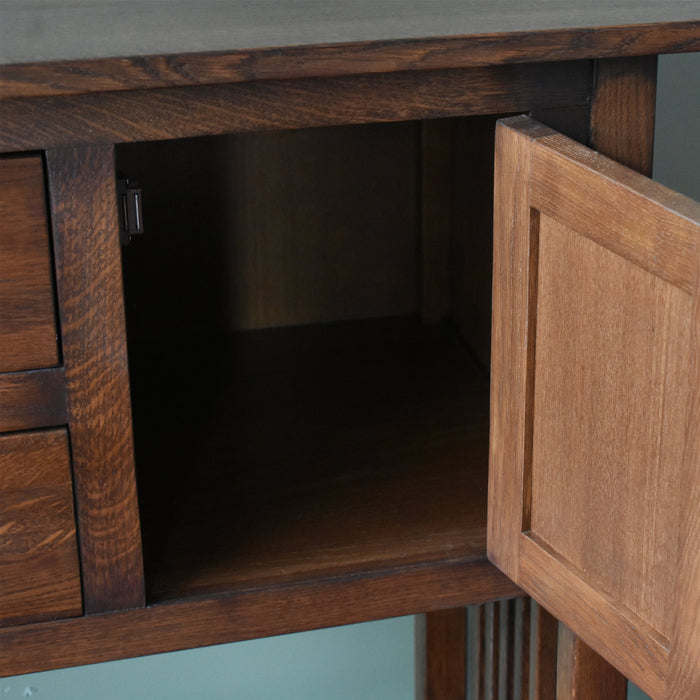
{"points": [[594, 278]]}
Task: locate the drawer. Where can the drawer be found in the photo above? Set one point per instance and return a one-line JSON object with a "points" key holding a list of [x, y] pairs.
{"points": [[39, 567], [27, 313]]}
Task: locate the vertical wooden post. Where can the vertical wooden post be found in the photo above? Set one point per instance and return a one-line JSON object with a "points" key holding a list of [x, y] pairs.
{"points": [[441, 655], [89, 286], [623, 111], [545, 661]]}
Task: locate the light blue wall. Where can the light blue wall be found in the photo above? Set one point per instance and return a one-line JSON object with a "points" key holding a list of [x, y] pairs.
{"points": [[373, 661], [677, 152]]}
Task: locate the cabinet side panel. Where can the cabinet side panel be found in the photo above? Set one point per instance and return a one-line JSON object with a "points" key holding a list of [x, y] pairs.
{"points": [[623, 110], [89, 284]]}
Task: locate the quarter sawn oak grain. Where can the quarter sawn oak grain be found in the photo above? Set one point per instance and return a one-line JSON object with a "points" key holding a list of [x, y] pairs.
{"points": [[88, 280], [39, 568]]}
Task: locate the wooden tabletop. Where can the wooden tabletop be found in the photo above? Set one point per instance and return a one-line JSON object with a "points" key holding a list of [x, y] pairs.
{"points": [[65, 47], [37, 30]]}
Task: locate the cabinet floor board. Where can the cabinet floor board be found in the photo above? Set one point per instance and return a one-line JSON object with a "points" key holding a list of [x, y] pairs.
{"points": [[284, 455]]}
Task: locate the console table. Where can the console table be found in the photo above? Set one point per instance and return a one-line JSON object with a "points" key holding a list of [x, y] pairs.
{"points": [[283, 345]]}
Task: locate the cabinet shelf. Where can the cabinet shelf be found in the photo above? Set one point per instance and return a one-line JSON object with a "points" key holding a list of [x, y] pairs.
{"points": [[284, 455]]}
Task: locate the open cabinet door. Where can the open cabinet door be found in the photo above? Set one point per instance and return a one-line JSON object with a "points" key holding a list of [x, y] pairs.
{"points": [[594, 491]]}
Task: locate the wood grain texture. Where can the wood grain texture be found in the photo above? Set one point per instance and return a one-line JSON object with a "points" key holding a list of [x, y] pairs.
{"points": [[35, 399], [288, 104], [525, 659], [319, 450], [510, 336], [441, 650], [578, 443], [88, 276], [636, 218], [251, 614], [583, 675], [684, 674], [623, 638], [584, 356], [39, 567], [180, 63], [546, 630], [27, 318], [623, 111]]}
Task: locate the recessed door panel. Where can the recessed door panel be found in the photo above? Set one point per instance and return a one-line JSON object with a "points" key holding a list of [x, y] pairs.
{"points": [[592, 402]]}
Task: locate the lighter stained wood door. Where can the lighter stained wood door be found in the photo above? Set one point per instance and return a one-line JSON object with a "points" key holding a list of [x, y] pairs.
{"points": [[594, 402]]}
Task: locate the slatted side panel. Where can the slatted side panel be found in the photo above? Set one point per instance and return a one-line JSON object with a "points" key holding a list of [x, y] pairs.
{"points": [[511, 651]]}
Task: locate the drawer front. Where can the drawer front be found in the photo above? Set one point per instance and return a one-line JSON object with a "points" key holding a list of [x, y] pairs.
{"points": [[39, 567], [27, 315]]}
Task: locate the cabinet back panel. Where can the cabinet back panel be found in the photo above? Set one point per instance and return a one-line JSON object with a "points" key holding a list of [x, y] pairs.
{"points": [[274, 229]]}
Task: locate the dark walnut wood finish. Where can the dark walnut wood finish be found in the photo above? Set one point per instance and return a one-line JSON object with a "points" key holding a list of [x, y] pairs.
{"points": [[35, 399], [143, 115], [88, 280], [249, 615], [39, 568], [284, 63], [27, 317]]}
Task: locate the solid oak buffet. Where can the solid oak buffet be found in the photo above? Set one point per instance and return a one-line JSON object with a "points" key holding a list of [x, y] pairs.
{"points": [[246, 328]]}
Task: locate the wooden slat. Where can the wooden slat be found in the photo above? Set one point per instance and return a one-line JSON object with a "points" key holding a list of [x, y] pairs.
{"points": [[27, 319], [623, 110], [583, 675], [325, 60], [442, 649], [509, 608], [251, 614], [475, 651], [525, 658], [88, 274], [493, 681], [545, 657], [39, 567], [382, 420], [638, 219], [288, 104], [33, 399]]}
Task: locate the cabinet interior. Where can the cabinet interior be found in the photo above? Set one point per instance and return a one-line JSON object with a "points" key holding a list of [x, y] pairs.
{"points": [[308, 322]]}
